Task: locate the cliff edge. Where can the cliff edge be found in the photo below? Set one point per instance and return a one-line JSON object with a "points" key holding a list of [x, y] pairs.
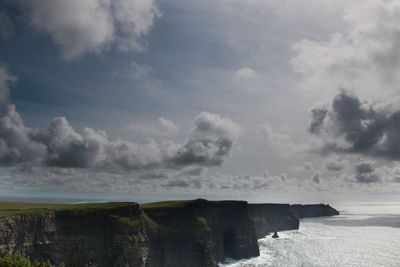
{"points": [[312, 210]]}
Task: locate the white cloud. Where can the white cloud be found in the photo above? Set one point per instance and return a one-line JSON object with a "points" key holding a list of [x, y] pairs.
{"points": [[163, 128], [209, 125], [246, 73], [91, 26], [364, 58], [281, 141], [167, 126]]}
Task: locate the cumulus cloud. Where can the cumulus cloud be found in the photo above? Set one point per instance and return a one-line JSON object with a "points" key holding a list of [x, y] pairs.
{"points": [[91, 26], [364, 172], [17, 142], [209, 144], [210, 141], [364, 57], [353, 126]]}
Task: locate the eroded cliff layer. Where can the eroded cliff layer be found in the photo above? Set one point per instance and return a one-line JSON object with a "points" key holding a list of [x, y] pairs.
{"points": [[313, 210], [268, 218]]}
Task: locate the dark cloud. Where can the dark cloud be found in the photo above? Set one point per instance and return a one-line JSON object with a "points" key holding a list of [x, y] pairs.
{"points": [[361, 126], [316, 177], [364, 172], [16, 142], [209, 143], [205, 152], [66, 148], [364, 129], [318, 116]]}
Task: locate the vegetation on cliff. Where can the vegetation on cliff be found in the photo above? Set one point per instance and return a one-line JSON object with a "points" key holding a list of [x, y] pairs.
{"points": [[14, 208], [19, 260]]}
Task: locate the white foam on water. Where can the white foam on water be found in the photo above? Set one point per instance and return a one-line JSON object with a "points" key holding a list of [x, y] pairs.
{"points": [[347, 240]]}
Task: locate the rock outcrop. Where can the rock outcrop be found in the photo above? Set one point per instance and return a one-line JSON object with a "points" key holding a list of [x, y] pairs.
{"points": [[312, 210], [269, 218]]}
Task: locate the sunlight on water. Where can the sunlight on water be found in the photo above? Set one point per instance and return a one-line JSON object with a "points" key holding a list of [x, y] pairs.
{"points": [[364, 239]]}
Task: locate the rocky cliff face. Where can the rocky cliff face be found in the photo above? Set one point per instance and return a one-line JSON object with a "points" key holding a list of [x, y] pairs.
{"points": [[30, 234], [312, 210], [106, 237], [203, 233], [94, 237], [268, 218]]}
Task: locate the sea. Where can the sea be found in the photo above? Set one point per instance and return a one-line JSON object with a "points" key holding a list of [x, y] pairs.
{"points": [[365, 234]]}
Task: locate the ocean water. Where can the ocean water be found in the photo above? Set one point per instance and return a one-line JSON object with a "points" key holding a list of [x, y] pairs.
{"points": [[363, 235]]}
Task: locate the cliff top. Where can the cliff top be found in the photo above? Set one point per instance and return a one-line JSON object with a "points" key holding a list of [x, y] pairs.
{"points": [[186, 203], [14, 208], [166, 204]]}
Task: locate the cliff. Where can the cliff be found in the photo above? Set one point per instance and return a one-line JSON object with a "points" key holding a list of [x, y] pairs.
{"points": [[111, 235], [203, 233], [312, 210], [268, 218], [196, 233]]}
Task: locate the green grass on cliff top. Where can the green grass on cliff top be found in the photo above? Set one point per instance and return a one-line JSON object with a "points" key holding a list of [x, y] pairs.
{"points": [[13, 208], [166, 204]]}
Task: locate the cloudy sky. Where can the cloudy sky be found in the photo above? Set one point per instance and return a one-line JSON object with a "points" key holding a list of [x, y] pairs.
{"points": [[149, 99]]}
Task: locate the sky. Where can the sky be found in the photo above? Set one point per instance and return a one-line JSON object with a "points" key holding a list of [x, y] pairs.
{"points": [[279, 101]]}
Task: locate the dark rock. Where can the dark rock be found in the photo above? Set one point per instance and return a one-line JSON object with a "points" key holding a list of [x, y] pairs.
{"points": [[268, 218], [275, 235]]}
